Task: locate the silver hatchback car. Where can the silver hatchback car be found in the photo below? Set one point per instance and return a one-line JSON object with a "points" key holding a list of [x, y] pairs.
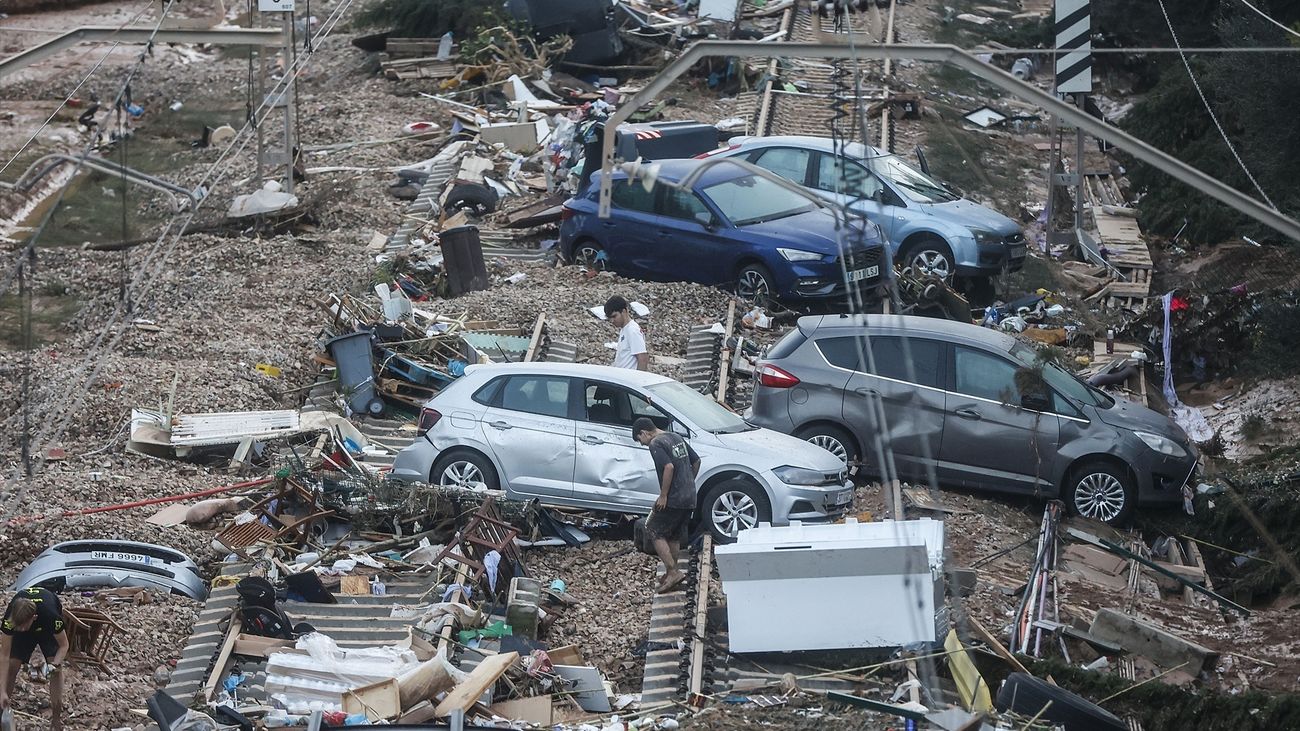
{"points": [[972, 406], [562, 433]]}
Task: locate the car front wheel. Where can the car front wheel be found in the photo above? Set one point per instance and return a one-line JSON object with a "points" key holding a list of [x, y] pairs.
{"points": [[755, 282], [733, 506], [1101, 491], [463, 469], [930, 257]]}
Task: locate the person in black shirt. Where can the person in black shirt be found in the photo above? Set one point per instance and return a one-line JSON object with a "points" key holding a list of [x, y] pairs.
{"points": [[34, 618], [677, 465]]}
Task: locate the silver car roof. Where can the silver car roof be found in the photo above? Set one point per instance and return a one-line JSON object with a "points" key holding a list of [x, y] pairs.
{"points": [[625, 376], [909, 325]]}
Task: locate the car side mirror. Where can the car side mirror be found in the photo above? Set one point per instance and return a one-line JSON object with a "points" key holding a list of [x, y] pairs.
{"points": [[706, 219], [677, 428]]}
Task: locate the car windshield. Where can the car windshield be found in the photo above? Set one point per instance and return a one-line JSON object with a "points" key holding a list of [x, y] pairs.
{"points": [[701, 410], [916, 185], [1063, 381], [752, 199]]}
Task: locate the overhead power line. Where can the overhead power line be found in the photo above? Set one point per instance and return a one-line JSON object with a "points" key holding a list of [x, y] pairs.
{"points": [[1210, 110], [1270, 19]]}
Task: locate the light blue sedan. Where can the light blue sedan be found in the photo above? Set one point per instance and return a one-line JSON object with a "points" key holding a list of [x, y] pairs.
{"points": [[930, 228]]}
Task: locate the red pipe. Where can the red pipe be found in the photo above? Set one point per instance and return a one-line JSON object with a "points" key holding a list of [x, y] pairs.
{"points": [[142, 503]]}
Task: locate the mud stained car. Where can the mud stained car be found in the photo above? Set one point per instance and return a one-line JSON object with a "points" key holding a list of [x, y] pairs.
{"points": [[725, 224], [975, 407], [930, 228], [77, 564], [562, 433]]}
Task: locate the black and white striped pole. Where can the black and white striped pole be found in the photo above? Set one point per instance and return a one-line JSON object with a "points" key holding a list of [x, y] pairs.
{"points": [[1073, 66]]}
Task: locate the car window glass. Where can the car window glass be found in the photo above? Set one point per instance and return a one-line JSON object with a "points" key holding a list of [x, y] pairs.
{"points": [[632, 196], [986, 376], [852, 179], [788, 162], [752, 199], [488, 393], [685, 205], [548, 396], [889, 356], [615, 406], [1062, 406]]}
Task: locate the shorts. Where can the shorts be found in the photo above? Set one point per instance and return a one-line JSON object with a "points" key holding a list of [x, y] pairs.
{"points": [[669, 523], [22, 644]]}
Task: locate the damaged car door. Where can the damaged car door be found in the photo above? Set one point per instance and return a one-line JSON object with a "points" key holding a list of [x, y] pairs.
{"points": [[613, 471], [895, 391], [999, 433], [529, 428]]}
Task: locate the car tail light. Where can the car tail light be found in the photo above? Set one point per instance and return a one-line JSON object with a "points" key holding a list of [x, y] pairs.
{"points": [[428, 417], [773, 377], [719, 151], [566, 213]]}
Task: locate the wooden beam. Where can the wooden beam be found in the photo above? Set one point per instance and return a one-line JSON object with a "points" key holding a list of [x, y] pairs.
{"points": [[998, 648], [701, 614], [223, 658], [536, 339], [724, 366], [483, 676]]}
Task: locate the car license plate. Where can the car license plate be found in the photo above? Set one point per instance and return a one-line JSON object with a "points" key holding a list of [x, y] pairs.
{"points": [[858, 275], [843, 497], [126, 557]]}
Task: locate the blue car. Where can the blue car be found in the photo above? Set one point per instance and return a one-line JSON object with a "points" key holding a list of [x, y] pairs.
{"points": [[731, 226]]}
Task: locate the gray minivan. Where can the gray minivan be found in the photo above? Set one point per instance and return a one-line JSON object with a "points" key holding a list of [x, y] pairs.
{"points": [[975, 406]]}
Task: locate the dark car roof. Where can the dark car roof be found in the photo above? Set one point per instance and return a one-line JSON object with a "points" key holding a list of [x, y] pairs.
{"points": [[909, 325], [674, 170]]}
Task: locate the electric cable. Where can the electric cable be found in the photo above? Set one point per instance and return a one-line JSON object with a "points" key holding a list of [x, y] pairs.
{"points": [[1210, 110], [1269, 18], [150, 267]]}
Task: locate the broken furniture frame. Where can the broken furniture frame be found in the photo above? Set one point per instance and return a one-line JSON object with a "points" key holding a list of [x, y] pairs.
{"points": [[272, 523], [484, 533], [90, 633]]}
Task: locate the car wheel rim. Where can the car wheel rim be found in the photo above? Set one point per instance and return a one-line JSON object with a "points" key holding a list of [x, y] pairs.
{"points": [[752, 285], [1100, 496], [832, 445], [932, 262], [461, 474], [733, 512], [587, 255]]}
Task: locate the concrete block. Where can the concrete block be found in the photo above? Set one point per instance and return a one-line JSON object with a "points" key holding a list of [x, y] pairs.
{"points": [[1157, 645]]}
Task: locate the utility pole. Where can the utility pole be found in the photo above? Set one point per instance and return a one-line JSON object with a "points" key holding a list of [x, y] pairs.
{"points": [[285, 99], [1073, 66]]}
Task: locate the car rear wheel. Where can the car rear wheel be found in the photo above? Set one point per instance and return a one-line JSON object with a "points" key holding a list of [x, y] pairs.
{"points": [[930, 257], [588, 253], [754, 282], [463, 469], [831, 438], [733, 506], [1101, 491]]}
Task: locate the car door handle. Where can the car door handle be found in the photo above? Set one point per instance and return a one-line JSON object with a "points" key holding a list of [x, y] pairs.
{"points": [[608, 224], [866, 392], [499, 425], [665, 234], [968, 414], [591, 440]]}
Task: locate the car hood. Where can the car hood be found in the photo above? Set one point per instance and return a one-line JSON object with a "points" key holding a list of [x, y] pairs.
{"points": [[1125, 414], [972, 215], [768, 449], [811, 230]]}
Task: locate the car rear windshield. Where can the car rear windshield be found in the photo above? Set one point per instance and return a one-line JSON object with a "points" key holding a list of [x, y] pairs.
{"points": [[699, 409], [786, 346], [752, 199]]}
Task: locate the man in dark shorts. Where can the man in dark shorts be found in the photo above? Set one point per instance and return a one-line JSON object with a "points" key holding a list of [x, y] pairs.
{"points": [[34, 618], [677, 465]]}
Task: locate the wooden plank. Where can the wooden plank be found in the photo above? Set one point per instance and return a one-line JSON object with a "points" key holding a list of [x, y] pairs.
{"points": [[482, 677], [536, 339], [998, 648], [444, 637], [223, 658], [536, 709], [1130, 289], [724, 366], [701, 614], [257, 646]]}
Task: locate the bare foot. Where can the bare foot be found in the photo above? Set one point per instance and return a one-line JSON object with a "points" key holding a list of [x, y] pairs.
{"points": [[671, 581]]}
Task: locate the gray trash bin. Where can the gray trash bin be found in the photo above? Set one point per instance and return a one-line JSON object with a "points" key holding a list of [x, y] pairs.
{"points": [[356, 372]]}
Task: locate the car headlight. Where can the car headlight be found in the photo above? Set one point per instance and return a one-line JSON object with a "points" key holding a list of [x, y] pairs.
{"points": [[1161, 444], [985, 237], [800, 476], [798, 255]]}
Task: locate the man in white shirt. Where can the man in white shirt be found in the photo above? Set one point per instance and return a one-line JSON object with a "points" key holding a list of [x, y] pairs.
{"points": [[631, 350]]}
